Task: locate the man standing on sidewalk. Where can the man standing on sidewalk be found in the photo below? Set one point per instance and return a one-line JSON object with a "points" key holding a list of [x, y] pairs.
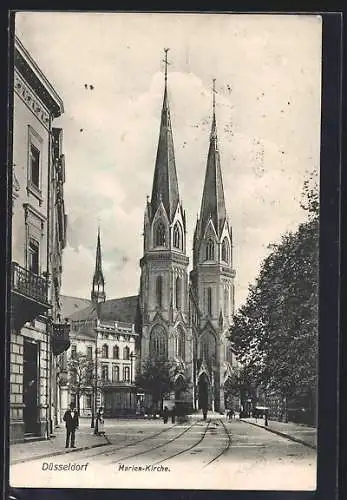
{"points": [[71, 423]]}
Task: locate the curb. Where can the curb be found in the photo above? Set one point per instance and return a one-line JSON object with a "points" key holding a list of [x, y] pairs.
{"points": [[62, 452], [282, 434]]}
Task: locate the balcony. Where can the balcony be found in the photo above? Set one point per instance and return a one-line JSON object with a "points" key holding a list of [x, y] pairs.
{"points": [[60, 338], [28, 295]]}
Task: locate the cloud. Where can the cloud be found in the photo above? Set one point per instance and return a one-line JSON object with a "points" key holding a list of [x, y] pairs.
{"points": [[268, 118]]}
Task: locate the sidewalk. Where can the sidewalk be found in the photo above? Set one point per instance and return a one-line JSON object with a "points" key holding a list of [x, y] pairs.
{"points": [[296, 432], [85, 439]]}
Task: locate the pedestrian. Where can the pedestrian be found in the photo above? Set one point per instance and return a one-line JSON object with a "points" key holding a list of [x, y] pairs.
{"points": [[100, 421], [71, 423], [204, 413], [266, 418], [173, 414], [165, 415]]}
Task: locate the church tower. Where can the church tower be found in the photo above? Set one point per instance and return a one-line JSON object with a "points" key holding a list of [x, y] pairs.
{"points": [[164, 277], [98, 286], [212, 280]]}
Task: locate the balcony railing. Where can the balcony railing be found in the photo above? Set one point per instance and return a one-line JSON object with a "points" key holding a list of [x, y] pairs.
{"points": [[60, 338], [28, 284]]}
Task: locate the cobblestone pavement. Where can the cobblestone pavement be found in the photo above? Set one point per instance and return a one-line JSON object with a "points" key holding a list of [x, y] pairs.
{"points": [[200, 455]]}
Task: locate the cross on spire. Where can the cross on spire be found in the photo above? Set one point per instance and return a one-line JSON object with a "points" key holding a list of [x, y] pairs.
{"points": [[166, 63], [214, 94]]}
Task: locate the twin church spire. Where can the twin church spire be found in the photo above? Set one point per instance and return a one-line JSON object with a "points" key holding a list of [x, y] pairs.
{"points": [[165, 183]]}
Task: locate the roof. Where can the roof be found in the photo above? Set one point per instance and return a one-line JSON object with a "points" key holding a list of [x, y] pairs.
{"points": [[123, 309], [36, 79], [70, 305], [165, 184], [213, 203]]}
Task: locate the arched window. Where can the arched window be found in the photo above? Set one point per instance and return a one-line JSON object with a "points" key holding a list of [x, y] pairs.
{"points": [[116, 352], [126, 353], [159, 234], [158, 342], [209, 250], [177, 236], [207, 350], [209, 301], [115, 373], [104, 353], [180, 343], [225, 250], [159, 291], [178, 290]]}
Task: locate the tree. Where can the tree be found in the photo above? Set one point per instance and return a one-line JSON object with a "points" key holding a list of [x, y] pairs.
{"points": [[159, 377], [81, 376], [276, 332]]}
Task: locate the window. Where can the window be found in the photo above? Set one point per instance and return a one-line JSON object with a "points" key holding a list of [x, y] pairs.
{"points": [[226, 302], [177, 236], [33, 256], [115, 373], [89, 352], [178, 289], [159, 291], [104, 353], [158, 342], [225, 250], [126, 353], [115, 352], [159, 234], [180, 338], [208, 347], [209, 250], [88, 401], [126, 374], [35, 166], [104, 372], [73, 352], [209, 301]]}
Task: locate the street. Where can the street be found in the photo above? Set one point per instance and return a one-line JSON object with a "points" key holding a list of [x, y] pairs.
{"points": [[215, 454]]}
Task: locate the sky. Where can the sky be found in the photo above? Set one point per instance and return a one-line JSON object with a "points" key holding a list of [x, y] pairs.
{"points": [[268, 81]]}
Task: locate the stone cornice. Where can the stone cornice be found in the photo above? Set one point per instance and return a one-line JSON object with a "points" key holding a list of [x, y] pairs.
{"points": [[27, 95]]}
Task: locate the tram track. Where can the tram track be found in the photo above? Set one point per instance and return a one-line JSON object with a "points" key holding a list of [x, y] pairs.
{"points": [[189, 448], [144, 452], [225, 449]]}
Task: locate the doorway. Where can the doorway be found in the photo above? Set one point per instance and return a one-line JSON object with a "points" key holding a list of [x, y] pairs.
{"points": [[30, 386], [203, 392]]}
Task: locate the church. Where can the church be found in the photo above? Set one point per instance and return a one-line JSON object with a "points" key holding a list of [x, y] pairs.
{"points": [[178, 315]]}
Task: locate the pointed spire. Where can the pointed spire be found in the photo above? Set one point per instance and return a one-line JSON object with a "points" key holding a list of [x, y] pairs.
{"points": [[165, 184], [98, 287], [213, 203]]}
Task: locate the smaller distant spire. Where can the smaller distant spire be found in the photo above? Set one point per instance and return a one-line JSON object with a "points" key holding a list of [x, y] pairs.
{"points": [[98, 287]]}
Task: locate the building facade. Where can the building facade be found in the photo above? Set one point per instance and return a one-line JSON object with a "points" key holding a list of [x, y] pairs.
{"points": [[107, 347], [37, 335]]}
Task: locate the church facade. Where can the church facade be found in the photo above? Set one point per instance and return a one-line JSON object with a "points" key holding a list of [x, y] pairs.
{"points": [[183, 316]]}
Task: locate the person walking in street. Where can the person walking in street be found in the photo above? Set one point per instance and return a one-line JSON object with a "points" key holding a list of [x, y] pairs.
{"points": [[165, 415], [204, 412], [71, 423], [100, 421], [173, 414]]}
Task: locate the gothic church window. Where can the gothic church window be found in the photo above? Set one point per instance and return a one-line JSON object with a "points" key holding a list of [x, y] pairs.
{"points": [[159, 234], [116, 352], [209, 250], [177, 236], [178, 290], [209, 301], [159, 291], [158, 342], [180, 341], [208, 347], [104, 353], [225, 250]]}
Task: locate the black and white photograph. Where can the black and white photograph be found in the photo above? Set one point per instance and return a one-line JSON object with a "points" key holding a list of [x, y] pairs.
{"points": [[165, 213]]}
